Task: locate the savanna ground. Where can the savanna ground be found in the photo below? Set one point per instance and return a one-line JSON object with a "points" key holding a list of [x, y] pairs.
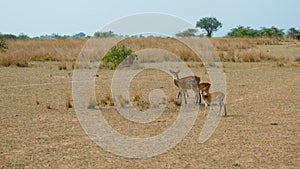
{"points": [[39, 127]]}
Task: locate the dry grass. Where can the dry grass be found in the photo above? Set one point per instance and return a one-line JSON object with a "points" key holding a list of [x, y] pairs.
{"points": [[252, 49], [24, 51], [297, 59], [140, 103], [169, 44], [11, 60], [21, 52]]}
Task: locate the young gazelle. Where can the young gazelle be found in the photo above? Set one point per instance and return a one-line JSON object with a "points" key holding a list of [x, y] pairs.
{"points": [[187, 83], [204, 87], [215, 97]]}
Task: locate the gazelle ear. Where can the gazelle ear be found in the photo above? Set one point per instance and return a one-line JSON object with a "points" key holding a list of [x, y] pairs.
{"points": [[177, 71]]}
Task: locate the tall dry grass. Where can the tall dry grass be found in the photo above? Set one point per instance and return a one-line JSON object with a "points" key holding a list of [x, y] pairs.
{"points": [[21, 52], [170, 44], [247, 49]]}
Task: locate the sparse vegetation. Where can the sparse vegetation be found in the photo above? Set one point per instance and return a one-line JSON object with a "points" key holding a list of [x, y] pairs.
{"points": [[140, 103], [39, 135], [62, 66]]}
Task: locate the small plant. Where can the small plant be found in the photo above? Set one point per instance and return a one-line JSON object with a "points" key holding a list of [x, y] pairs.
{"points": [[48, 107], [73, 65], [115, 56], [107, 101], [68, 102], [140, 103], [62, 66]]}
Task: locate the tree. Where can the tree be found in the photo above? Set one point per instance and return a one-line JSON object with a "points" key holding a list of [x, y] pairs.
{"points": [[272, 32], [23, 36], [209, 24], [293, 33], [108, 34], [8, 36], [79, 35], [187, 33]]}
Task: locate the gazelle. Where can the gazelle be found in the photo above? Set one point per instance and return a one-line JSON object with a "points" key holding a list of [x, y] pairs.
{"points": [[197, 78], [187, 83], [204, 87], [215, 97]]}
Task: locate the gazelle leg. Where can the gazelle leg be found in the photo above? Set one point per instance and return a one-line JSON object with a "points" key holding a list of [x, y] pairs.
{"points": [[225, 109], [206, 104], [198, 99], [184, 95], [179, 94]]}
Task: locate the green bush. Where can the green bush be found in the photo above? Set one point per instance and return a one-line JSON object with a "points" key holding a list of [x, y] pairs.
{"points": [[115, 56], [242, 31]]}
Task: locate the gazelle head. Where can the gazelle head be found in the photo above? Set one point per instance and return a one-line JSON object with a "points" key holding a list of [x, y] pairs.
{"points": [[204, 88]]}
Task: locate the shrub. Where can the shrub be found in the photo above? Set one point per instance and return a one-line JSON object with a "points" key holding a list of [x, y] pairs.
{"points": [[3, 45], [187, 33], [242, 31], [115, 56], [293, 33]]}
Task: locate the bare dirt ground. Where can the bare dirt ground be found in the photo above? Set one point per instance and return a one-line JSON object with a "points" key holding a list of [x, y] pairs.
{"points": [[262, 129]]}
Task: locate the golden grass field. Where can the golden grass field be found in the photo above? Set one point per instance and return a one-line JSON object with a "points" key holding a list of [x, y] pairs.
{"points": [[39, 127]]}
